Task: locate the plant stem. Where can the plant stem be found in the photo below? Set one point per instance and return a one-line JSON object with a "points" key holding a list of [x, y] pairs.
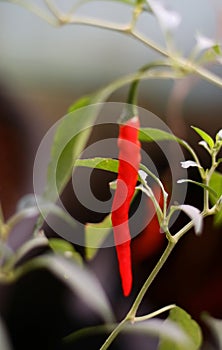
{"points": [[148, 42], [62, 19], [93, 22], [53, 9], [87, 331], [206, 196], [178, 62], [131, 316], [132, 313], [114, 334], [154, 314]]}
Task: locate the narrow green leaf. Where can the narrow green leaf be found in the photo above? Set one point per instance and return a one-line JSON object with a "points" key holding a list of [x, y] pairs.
{"points": [[74, 130], [40, 241], [207, 138], [216, 185], [83, 282], [80, 103], [69, 141], [170, 331], [217, 49], [128, 2], [6, 251], [188, 325], [44, 207], [63, 247], [218, 219], [107, 164], [78, 278], [95, 235], [152, 134], [208, 188], [134, 3], [152, 328]]}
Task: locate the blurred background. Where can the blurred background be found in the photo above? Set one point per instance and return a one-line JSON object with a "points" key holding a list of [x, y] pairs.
{"points": [[43, 70], [47, 68]]}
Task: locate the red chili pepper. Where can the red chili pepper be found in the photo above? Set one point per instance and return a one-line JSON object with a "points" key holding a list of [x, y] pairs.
{"points": [[129, 160]]}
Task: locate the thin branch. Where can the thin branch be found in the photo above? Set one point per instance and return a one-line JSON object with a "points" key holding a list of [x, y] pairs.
{"points": [[52, 7], [151, 44], [94, 22], [113, 335], [154, 314], [55, 11]]}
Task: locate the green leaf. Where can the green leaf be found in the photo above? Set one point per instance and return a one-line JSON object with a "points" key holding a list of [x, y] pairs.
{"points": [[152, 328], [169, 331], [217, 49], [152, 134], [74, 130], [218, 219], [128, 2], [45, 208], [208, 188], [69, 141], [107, 164], [63, 247], [95, 235], [216, 185], [79, 279], [215, 326], [134, 3], [207, 138], [80, 103], [4, 339], [40, 241], [188, 325]]}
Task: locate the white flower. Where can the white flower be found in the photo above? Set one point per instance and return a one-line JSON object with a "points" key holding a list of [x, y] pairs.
{"points": [[189, 163], [143, 175], [204, 43], [195, 215], [169, 20], [219, 135]]}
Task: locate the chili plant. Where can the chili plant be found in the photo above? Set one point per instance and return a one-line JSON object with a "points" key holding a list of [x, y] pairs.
{"points": [[70, 139]]}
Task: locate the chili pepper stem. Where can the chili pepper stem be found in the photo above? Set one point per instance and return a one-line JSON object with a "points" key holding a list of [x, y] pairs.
{"points": [[133, 310]]}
